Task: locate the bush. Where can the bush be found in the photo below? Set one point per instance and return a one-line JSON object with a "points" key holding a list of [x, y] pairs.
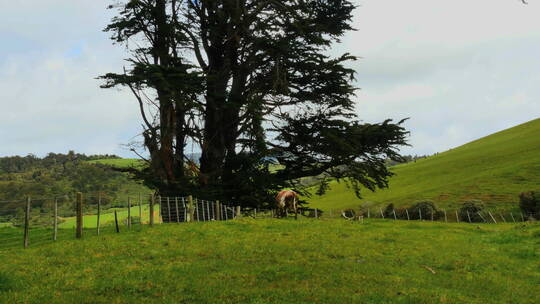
{"points": [[425, 210], [389, 211], [471, 209], [529, 202]]}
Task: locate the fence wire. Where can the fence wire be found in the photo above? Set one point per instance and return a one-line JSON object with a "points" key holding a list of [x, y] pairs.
{"points": [[36, 221]]}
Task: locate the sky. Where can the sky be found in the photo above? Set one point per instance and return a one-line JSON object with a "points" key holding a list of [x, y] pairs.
{"points": [[459, 70]]}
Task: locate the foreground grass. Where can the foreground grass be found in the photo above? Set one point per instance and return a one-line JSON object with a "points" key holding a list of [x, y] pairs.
{"points": [[494, 169], [282, 261]]}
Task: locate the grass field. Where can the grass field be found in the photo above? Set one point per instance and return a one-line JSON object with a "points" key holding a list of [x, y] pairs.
{"points": [[494, 169], [90, 221], [120, 162], [282, 261]]}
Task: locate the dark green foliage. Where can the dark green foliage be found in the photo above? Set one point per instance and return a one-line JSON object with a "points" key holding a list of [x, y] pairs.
{"points": [[250, 83], [471, 209], [389, 211], [20, 164], [424, 210], [55, 176], [529, 202]]}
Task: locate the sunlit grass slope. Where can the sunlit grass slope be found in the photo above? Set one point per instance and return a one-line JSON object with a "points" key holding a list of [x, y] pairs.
{"points": [[494, 169], [90, 221], [281, 261], [120, 162]]}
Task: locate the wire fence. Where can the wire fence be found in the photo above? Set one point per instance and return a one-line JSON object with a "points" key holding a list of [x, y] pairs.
{"points": [[447, 216], [36, 221]]}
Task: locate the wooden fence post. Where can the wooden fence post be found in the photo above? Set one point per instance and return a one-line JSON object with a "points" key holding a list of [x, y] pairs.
{"points": [[407, 211], [368, 215], [55, 223], [98, 212], [203, 212], [457, 217], [238, 214], [116, 222], [420, 213], [160, 208], [196, 203], [151, 209], [522, 218], [218, 213], [483, 219], [492, 217], [177, 210], [140, 209], [395, 217], [469, 216], [27, 221], [168, 210], [129, 213], [316, 215], [79, 215], [445, 217], [190, 208]]}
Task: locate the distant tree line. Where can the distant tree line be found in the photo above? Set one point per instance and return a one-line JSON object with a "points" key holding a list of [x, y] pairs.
{"points": [[56, 175], [19, 164]]}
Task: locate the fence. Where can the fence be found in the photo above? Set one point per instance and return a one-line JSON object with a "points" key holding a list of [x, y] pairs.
{"points": [[456, 216], [46, 220], [185, 209]]}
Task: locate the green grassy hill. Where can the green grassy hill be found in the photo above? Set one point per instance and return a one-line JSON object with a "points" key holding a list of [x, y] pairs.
{"points": [[120, 162], [280, 261], [494, 169]]}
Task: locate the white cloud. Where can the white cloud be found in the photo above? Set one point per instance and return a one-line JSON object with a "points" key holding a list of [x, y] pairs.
{"points": [[460, 69]]}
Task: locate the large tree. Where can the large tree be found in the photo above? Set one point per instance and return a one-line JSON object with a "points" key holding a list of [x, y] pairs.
{"points": [[252, 84]]}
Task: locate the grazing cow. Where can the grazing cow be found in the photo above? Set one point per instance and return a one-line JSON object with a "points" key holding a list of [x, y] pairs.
{"points": [[287, 200]]}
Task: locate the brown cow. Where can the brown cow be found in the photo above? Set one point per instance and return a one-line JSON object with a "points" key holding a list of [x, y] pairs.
{"points": [[287, 200]]}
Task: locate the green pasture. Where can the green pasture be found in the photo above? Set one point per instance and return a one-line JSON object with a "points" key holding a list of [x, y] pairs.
{"points": [[281, 261], [120, 162], [494, 169], [90, 221]]}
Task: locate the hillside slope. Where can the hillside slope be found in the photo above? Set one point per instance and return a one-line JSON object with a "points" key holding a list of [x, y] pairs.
{"points": [[494, 169]]}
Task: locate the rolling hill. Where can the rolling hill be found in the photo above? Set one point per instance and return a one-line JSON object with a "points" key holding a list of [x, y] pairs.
{"points": [[494, 169]]}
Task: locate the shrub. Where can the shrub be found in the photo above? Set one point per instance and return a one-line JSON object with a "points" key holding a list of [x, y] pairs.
{"points": [[529, 202], [349, 214], [425, 210], [389, 211], [471, 209]]}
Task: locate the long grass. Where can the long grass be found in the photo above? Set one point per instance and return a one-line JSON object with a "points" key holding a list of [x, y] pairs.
{"points": [[281, 261]]}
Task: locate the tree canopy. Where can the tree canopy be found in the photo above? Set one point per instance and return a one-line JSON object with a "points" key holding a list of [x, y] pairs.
{"points": [[252, 84]]}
